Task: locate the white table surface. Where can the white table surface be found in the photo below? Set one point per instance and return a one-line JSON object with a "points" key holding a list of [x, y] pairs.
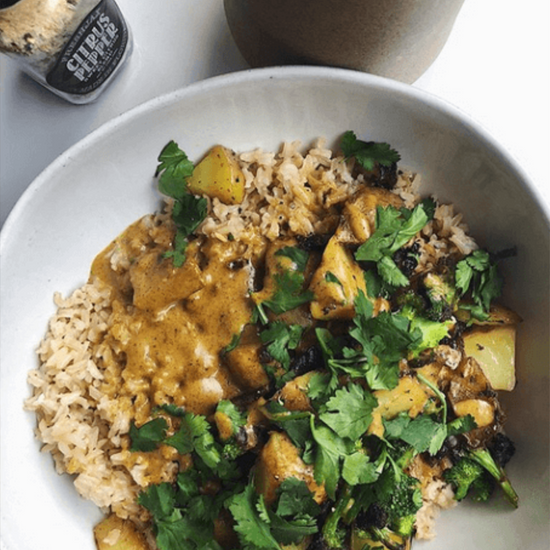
{"points": [[495, 67]]}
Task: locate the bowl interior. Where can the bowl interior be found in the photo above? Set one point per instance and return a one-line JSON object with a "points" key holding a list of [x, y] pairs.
{"points": [[91, 193]]}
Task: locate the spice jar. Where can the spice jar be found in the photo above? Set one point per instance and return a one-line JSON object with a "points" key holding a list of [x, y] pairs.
{"points": [[72, 47]]}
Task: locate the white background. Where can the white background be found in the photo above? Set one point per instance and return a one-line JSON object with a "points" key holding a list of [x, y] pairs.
{"points": [[495, 67]]}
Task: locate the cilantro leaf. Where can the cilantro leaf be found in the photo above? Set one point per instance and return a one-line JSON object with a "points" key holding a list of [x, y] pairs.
{"points": [[329, 452], [174, 168], [424, 433], [292, 530], [252, 530], [327, 469], [147, 437], [237, 418], [362, 363], [178, 252], [280, 338], [368, 153], [295, 498], [295, 423], [388, 224], [188, 211], [394, 228], [188, 487], [171, 409], [358, 469], [158, 499], [390, 273], [297, 255], [461, 425], [289, 293], [477, 275], [349, 411], [203, 441]]}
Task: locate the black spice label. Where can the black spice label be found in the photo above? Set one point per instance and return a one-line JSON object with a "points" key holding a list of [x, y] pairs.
{"points": [[93, 52]]}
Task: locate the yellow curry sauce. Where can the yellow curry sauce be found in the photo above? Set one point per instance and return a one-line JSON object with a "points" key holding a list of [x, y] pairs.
{"points": [[170, 326]]}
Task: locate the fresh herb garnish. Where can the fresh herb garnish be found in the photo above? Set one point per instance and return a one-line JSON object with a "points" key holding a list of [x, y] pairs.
{"points": [[478, 276], [149, 435], [394, 228], [280, 338], [349, 411], [188, 211], [289, 282], [368, 153]]}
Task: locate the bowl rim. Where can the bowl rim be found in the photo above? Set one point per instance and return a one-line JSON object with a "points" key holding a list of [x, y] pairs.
{"points": [[312, 73]]}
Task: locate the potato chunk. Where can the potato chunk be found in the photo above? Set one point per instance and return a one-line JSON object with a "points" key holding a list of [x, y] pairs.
{"points": [[481, 410], [114, 533], [218, 175], [336, 283], [494, 349], [279, 460]]}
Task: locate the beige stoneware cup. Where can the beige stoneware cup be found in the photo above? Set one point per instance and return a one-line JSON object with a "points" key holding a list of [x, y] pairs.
{"points": [[398, 39]]}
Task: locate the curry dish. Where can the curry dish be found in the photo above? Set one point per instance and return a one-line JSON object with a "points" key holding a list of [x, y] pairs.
{"points": [[298, 352]]}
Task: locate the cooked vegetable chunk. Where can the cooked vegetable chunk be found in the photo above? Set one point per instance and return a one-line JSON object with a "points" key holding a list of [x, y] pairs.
{"points": [[279, 460], [481, 410], [336, 283], [494, 349], [114, 533], [218, 175]]}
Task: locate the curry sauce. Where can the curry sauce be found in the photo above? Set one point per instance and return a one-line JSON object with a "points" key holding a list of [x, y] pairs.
{"points": [[171, 325]]}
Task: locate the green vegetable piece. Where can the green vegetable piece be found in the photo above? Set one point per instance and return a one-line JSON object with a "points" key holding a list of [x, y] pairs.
{"points": [[289, 292], [253, 531], [479, 277], [462, 475], [281, 338], [483, 458], [358, 469], [188, 211], [349, 411], [174, 168], [368, 153], [394, 228], [147, 437]]}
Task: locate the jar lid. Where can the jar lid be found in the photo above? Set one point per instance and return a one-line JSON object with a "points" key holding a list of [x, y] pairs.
{"points": [[7, 3]]}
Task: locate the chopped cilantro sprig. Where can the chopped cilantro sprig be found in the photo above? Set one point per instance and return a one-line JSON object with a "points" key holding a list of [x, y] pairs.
{"points": [[188, 211], [394, 228], [289, 282], [478, 276], [367, 153]]}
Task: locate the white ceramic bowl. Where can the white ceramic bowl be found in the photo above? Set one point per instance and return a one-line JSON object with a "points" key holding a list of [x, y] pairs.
{"points": [[102, 184]]}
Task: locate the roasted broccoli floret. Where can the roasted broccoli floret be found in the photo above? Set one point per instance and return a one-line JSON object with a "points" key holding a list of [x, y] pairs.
{"points": [[483, 458], [390, 519], [482, 487], [404, 525], [374, 516], [441, 295], [333, 533], [463, 475], [473, 473], [502, 449], [405, 498]]}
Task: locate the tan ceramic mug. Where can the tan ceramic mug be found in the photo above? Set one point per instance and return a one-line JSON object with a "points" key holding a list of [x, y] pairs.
{"points": [[398, 39]]}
